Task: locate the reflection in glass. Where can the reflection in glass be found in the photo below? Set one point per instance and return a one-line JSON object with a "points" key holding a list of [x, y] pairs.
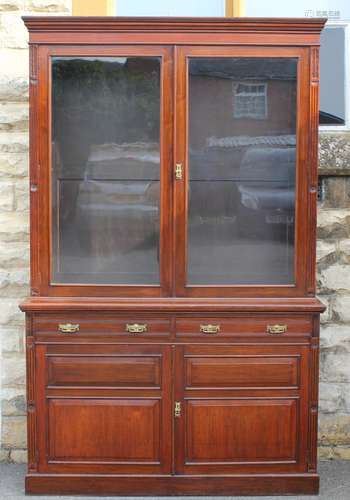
{"points": [[106, 168], [242, 126]]}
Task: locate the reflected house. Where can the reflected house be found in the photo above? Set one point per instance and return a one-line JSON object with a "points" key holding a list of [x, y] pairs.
{"points": [[242, 129]]}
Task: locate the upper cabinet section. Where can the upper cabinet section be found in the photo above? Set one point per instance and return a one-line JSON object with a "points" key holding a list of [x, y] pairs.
{"points": [[173, 157]]}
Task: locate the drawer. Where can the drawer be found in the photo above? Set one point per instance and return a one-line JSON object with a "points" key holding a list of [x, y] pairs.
{"points": [[87, 325], [268, 326]]}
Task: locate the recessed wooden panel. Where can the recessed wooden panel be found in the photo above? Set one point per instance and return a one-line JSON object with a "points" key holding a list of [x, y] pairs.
{"points": [[117, 430], [241, 430], [249, 371], [244, 326], [106, 371]]}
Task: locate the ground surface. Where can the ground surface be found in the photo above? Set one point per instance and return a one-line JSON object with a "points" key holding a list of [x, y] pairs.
{"points": [[335, 484]]}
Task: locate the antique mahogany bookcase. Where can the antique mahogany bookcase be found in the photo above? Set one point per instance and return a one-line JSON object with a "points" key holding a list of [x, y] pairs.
{"points": [[172, 328]]}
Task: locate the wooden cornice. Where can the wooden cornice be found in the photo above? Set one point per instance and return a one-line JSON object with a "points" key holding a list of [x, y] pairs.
{"points": [[69, 24]]}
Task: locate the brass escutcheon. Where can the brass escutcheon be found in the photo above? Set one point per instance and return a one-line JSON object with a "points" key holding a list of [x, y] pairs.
{"points": [[136, 328], [68, 328], [210, 329], [276, 329]]}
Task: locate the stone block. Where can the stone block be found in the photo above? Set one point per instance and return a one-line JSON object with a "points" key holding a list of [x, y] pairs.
{"points": [[335, 366], [330, 397], [10, 315], [341, 308], [14, 165], [6, 196], [335, 192], [8, 5], [11, 339], [4, 455], [22, 195], [45, 6], [334, 430], [327, 301], [18, 456], [14, 84], [335, 338], [344, 247], [335, 277], [13, 33], [325, 249], [13, 432], [14, 142], [334, 153], [14, 117], [333, 224], [14, 407], [13, 371], [14, 255], [14, 227], [14, 282]]}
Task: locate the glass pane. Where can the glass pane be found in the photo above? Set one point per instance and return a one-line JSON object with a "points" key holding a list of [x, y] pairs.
{"points": [[106, 170], [242, 125]]}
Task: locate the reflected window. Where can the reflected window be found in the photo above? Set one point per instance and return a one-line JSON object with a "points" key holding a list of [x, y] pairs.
{"points": [[250, 100]]}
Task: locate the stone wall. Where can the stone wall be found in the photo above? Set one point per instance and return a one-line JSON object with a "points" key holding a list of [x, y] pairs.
{"points": [[333, 249], [14, 238], [333, 254]]}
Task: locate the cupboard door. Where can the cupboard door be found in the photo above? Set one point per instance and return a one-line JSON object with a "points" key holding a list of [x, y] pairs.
{"points": [[106, 409], [110, 180], [243, 409], [239, 138]]}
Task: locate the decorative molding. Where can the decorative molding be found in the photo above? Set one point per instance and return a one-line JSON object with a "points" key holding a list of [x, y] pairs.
{"points": [[33, 65], [315, 64], [173, 304]]}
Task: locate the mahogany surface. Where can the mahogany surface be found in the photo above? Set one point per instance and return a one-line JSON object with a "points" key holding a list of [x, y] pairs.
{"points": [[102, 400]]}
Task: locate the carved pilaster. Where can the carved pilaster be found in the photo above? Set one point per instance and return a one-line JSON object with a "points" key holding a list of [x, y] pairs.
{"points": [[34, 167], [313, 164], [313, 404], [31, 410]]}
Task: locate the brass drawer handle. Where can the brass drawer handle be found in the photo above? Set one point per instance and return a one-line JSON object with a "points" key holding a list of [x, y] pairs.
{"points": [[136, 328], [276, 329], [210, 329], [68, 328]]}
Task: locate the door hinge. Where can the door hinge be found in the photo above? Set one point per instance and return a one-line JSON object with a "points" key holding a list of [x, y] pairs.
{"points": [[178, 171], [177, 410]]}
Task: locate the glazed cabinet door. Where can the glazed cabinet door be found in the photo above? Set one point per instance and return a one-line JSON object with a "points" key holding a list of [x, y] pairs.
{"points": [[104, 205], [241, 409], [241, 143], [103, 409]]}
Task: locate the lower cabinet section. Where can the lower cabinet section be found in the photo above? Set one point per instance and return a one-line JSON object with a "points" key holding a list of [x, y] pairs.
{"points": [[172, 411], [244, 409], [107, 409]]}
